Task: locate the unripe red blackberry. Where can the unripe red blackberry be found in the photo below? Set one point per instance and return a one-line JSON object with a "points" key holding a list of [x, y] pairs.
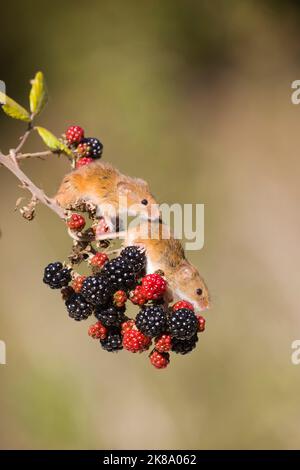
{"points": [[159, 360], [78, 307], [182, 304], [135, 341], [184, 346], [76, 222], [137, 296], [99, 260], [97, 331], [163, 343], [113, 340], [151, 320], [183, 324], [77, 283], [127, 325], [110, 315], [83, 161], [201, 323], [120, 298], [97, 289], [74, 134], [83, 150], [56, 276], [153, 286]]}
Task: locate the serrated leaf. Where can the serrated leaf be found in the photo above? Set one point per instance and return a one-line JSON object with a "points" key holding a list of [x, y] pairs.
{"points": [[38, 96], [13, 109], [52, 142]]}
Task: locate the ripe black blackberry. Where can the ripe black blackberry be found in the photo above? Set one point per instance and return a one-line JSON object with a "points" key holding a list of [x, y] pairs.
{"points": [[111, 315], [96, 289], [152, 320], [78, 307], [56, 276], [183, 324], [184, 346], [136, 256], [113, 340], [94, 147], [120, 273]]}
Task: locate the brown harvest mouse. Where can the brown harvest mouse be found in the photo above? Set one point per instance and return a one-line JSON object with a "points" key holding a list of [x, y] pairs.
{"points": [[113, 193], [166, 253]]}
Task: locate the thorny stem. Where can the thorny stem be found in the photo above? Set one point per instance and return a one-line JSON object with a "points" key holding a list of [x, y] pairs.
{"points": [[11, 162]]}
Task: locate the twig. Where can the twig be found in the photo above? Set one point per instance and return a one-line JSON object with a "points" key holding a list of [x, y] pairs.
{"points": [[10, 162], [23, 139], [23, 156]]}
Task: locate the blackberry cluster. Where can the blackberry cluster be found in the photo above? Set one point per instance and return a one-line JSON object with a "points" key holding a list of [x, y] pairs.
{"points": [[183, 324], [152, 320], [97, 289], [78, 307], [136, 257], [110, 315], [94, 147], [86, 149], [113, 341], [184, 346], [120, 273], [56, 276], [105, 295]]}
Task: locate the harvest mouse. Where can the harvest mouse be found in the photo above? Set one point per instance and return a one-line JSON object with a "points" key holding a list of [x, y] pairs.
{"points": [[166, 253], [113, 193]]}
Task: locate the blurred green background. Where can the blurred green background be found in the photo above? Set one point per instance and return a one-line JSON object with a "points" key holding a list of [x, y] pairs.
{"points": [[193, 96]]}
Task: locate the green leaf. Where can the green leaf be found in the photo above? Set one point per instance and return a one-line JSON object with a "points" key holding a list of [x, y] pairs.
{"points": [[13, 109], [52, 142], [38, 96]]}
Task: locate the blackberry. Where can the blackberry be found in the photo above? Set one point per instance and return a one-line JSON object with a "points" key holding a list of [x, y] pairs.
{"points": [[120, 273], [184, 346], [56, 276], [151, 320], [96, 289], [113, 340], [135, 256], [110, 316], [183, 323], [78, 307], [93, 146]]}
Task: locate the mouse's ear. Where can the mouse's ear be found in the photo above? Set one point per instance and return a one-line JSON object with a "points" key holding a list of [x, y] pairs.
{"points": [[186, 272], [123, 187], [141, 182]]}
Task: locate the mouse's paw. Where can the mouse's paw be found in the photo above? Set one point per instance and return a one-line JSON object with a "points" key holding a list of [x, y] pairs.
{"points": [[103, 227]]}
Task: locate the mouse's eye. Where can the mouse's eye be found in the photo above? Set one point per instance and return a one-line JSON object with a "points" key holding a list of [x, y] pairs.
{"points": [[199, 291], [144, 202]]}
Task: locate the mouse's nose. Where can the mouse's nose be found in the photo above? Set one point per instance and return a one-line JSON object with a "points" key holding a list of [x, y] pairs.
{"points": [[205, 304]]}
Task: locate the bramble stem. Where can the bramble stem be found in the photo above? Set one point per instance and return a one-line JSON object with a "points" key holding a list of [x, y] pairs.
{"points": [[10, 162], [23, 139], [23, 156]]}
